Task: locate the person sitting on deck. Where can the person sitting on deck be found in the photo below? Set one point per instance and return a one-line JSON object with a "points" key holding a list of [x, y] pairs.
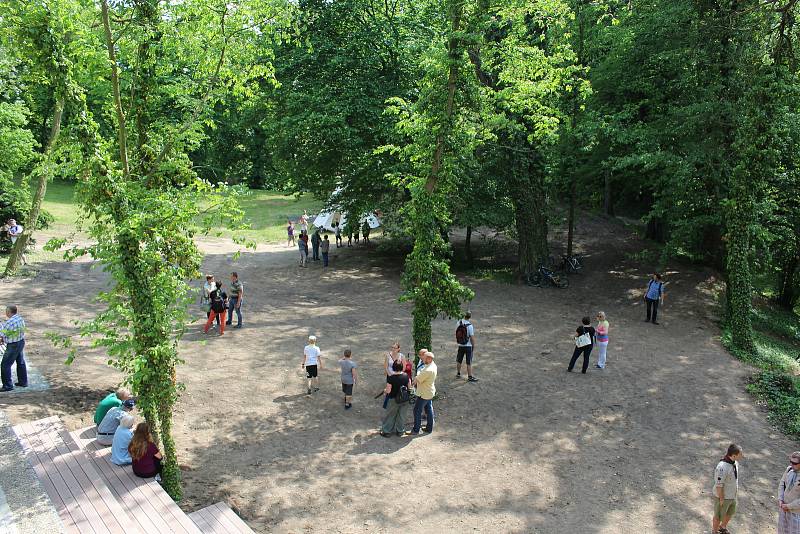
{"points": [[145, 456], [122, 438], [109, 424], [112, 400]]}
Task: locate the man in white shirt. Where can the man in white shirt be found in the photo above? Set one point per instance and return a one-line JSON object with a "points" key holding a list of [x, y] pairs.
{"points": [[466, 345], [726, 489], [312, 363]]}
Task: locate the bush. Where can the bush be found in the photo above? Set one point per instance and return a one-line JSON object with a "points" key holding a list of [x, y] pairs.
{"points": [[781, 394]]}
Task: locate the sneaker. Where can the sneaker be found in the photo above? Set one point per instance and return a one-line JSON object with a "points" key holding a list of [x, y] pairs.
{"points": [[348, 406], [399, 434], [472, 379], [655, 323], [6, 389], [458, 375], [597, 367], [238, 326], [20, 385], [309, 391], [412, 433], [158, 479], [384, 434]]}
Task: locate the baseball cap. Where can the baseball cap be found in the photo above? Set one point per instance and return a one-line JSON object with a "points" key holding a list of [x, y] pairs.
{"points": [[129, 403]]}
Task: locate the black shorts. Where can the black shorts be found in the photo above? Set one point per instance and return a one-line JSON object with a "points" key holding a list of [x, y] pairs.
{"points": [[311, 371], [461, 352], [347, 389]]}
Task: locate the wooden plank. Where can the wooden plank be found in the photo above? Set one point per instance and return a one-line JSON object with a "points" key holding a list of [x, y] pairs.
{"points": [[201, 522], [107, 506], [68, 509], [238, 522], [136, 500], [148, 494], [218, 510], [92, 523], [213, 522], [128, 496]]}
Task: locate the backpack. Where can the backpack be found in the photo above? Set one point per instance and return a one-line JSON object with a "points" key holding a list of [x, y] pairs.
{"points": [[462, 333], [217, 302], [403, 395]]}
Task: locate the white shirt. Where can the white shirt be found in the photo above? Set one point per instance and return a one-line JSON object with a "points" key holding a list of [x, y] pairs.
{"points": [[390, 362], [312, 353], [470, 332]]}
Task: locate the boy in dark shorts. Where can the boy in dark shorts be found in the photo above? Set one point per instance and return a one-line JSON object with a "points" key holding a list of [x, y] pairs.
{"points": [[349, 377], [312, 363]]}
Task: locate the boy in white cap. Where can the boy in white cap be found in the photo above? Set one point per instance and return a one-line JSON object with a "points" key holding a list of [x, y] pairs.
{"points": [[312, 363]]}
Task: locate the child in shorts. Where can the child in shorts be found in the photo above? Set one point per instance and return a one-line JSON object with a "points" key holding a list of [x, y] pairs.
{"points": [[349, 377]]}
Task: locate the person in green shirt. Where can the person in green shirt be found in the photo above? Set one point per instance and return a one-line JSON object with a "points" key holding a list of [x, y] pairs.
{"points": [[112, 400]]}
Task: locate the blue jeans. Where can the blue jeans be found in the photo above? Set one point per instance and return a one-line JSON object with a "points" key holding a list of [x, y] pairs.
{"points": [[420, 405], [15, 353], [324, 259], [231, 307]]}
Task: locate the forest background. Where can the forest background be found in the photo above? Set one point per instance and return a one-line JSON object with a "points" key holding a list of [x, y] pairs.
{"points": [[505, 115]]}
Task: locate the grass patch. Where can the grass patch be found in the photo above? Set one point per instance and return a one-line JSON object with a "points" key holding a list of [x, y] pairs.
{"points": [[777, 382], [266, 212]]}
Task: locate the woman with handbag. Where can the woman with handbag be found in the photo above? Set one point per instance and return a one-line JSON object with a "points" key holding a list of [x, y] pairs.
{"points": [[398, 388], [584, 341]]}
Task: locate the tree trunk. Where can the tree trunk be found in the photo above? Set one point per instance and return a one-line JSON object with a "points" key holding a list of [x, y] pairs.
{"points": [[122, 133], [468, 246], [32, 221], [608, 204], [788, 285], [573, 189], [530, 215]]}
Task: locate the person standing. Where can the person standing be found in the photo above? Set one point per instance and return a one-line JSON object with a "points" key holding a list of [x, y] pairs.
{"points": [[653, 297], [315, 241], [304, 222], [235, 300], [14, 231], [426, 390], [355, 232], [394, 355], [584, 341], [290, 234], [349, 377], [395, 417], [726, 489], [365, 229], [789, 497], [325, 248], [12, 336], [601, 337], [349, 236], [312, 363], [339, 243], [465, 337], [302, 244], [219, 303]]}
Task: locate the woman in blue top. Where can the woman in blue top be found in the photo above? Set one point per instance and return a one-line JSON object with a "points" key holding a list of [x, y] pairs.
{"points": [[654, 296], [122, 438]]}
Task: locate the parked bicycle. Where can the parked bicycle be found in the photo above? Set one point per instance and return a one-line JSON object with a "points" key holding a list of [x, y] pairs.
{"points": [[544, 277], [571, 264]]}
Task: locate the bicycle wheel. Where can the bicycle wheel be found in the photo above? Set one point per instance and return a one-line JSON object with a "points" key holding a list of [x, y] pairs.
{"points": [[561, 282], [534, 279]]}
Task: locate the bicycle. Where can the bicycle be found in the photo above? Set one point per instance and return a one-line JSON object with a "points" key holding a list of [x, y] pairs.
{"points": [[543, 277], [571, 264]]}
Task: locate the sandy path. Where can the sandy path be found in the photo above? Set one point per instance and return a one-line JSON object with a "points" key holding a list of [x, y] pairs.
{"points": [[529, 448]]}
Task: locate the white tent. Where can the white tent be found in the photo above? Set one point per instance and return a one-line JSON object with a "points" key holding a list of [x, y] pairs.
{"points": [[327, 220]]}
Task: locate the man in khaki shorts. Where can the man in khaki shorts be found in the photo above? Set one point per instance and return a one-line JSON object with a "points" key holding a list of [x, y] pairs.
{"points": [[726, 488]]}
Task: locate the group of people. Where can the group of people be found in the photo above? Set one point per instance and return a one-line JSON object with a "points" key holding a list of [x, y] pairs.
{"points": [[320, 244], [114, 422], [726, 492], [406, 384], [221, 305]]}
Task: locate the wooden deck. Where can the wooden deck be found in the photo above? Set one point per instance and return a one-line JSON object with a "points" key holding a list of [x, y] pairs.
{"points": [[83, 502], [219, 519], [94, 496], [142, 498]]}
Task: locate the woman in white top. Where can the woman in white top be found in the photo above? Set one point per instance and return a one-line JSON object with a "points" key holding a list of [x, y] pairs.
{"points": [[394, 355], [312, 363]]}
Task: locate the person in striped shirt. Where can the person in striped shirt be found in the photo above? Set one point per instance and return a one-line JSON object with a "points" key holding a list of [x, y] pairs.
{"points": [[12, 338]]}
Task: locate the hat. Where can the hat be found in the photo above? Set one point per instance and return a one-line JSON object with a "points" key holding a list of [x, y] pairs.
{"points": [[312, 338], [429, 353], [129, 403]]}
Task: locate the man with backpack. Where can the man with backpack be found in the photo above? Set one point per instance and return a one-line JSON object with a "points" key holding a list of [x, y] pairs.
{"points": [[219, 306], [465, 337], [654, 296]]}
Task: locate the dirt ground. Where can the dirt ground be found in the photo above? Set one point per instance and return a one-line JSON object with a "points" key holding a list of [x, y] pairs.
{"points": [[529, 448]]}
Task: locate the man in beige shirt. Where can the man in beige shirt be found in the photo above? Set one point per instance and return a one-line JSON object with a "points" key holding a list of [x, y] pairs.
{"points": [[426, 390]]}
